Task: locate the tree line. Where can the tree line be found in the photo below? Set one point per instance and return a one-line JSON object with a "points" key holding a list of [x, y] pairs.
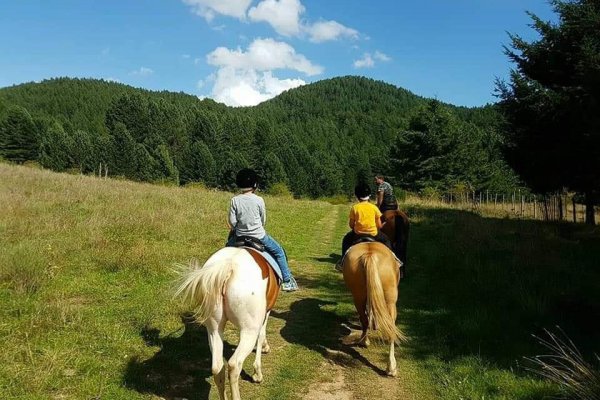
{"points": [[552, 103], [319, 139]]}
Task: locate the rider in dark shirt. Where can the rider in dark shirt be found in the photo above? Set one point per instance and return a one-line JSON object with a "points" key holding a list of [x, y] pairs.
{"points": [[385, 195]]}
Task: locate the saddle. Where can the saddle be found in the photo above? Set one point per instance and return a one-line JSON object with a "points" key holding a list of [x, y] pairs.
{"points": [[248, 241], [364, 239]]}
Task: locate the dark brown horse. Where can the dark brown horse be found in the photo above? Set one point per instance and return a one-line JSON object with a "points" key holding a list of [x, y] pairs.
{"points": [[396, 229], [371, 273]]}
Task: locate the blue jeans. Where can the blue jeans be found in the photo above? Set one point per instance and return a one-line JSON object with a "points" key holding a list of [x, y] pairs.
{"points": [[275, 250], [278, 254]]}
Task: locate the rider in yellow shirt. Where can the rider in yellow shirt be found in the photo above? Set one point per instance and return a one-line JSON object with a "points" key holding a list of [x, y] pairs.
{"points": [[364, 220]]}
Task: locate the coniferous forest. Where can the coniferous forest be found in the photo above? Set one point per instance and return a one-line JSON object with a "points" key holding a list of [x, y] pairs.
{"points": [[318, 140]]}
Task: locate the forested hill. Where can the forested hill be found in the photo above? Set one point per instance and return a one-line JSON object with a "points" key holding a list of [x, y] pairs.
{"points": [[318, 139], [82, 103]]}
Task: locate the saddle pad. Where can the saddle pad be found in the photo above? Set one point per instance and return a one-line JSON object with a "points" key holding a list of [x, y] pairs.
{"points": [[268, 272], [270, 260]]}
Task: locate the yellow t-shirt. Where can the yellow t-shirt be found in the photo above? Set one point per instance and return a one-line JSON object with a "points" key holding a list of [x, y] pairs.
{"points": [[365, 215]]}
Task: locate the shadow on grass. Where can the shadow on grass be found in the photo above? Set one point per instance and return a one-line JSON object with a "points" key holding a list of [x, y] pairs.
{"points": [[178, 370], [482, 286], [309, 324], [331, 259]]}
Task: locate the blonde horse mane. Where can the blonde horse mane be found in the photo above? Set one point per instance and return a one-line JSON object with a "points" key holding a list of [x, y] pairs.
{"points": [[377, 310]]}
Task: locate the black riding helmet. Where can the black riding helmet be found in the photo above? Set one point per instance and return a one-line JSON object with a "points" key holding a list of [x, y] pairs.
{"points": [[246, 179], [362, 190]]}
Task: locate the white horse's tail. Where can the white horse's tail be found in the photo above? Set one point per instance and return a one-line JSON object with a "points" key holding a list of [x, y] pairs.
{"points": [[202, 287]]}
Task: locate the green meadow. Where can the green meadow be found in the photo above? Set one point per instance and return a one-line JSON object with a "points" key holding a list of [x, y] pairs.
{"points": [[87, 276]]}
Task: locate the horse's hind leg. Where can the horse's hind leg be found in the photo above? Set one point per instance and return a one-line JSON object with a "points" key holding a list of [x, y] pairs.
{"points": [[391, 367], [361, 308], [261, 346], [215, 340], [248, 338]]}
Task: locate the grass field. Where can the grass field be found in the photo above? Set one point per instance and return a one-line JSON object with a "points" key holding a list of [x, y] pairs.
{"points": [[86, 284]]}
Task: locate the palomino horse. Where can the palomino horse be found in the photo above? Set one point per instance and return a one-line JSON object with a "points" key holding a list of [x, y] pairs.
{"points": [[371, 273], [237, 285], [396, 229]]}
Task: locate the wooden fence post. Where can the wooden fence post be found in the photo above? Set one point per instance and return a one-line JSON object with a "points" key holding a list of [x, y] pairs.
{"points": [[513, 201], [522, 205]]}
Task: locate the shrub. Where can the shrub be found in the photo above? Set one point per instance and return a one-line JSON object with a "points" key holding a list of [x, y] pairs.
{"points": [[431, 193], [337, 199], [280, 189]]}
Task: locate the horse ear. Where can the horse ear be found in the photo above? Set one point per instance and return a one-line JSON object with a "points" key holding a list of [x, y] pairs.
{"points": [[194, 263]]}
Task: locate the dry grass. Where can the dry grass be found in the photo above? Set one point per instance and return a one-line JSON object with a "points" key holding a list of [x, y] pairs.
{"points": [[86, 278], [565, 366]]}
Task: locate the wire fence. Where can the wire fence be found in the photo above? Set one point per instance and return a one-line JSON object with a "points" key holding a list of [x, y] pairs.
{"points": [[552, 207]]}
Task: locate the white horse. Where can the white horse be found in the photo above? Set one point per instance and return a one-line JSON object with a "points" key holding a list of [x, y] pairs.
{"points": [[233, 285]]}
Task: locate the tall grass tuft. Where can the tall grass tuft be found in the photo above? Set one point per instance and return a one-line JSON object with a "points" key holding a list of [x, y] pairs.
{"points": [[23, 269], [565, 366]]}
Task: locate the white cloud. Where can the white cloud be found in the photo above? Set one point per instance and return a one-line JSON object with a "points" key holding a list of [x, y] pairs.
{"points": [[236, 87], [263, 55], [210, 8], [323, 31], [368, 60], [110, 79], [381, 57], [185, 56], [246, 78], [143, 72], [282, 15], [365, 62]]}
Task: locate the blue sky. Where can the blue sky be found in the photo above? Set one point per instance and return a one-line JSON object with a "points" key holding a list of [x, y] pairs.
{"points": [[241, 52]]}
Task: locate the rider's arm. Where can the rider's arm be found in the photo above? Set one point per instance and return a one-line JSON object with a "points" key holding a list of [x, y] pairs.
{"points": [[232, 220], [351, 219], [379, 198], [378, 222], [262, 210]]}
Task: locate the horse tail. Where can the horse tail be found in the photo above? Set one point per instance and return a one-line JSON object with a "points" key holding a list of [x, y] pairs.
{"points": [[377, 310], [202, 287]]}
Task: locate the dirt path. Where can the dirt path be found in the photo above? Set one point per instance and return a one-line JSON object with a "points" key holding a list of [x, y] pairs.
{"points": [[326, 229], [352, 373]]}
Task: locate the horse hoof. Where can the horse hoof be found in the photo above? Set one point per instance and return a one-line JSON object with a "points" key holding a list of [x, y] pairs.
{"points": [[256, 378], [266, 349], [392, 373]]}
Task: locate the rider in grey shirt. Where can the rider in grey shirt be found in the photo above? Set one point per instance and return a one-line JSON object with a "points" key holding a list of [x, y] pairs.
{"points": [[247, 215]]}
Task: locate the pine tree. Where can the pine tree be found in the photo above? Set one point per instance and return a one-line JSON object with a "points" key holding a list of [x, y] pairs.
{"points": [[271, 171], [552, 103], [124, 152], [54, 148], [81, 150], [18, 137]]}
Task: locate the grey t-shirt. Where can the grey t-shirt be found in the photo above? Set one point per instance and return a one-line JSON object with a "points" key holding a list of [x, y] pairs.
{"points": [[247, 215], [388, 194]]}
